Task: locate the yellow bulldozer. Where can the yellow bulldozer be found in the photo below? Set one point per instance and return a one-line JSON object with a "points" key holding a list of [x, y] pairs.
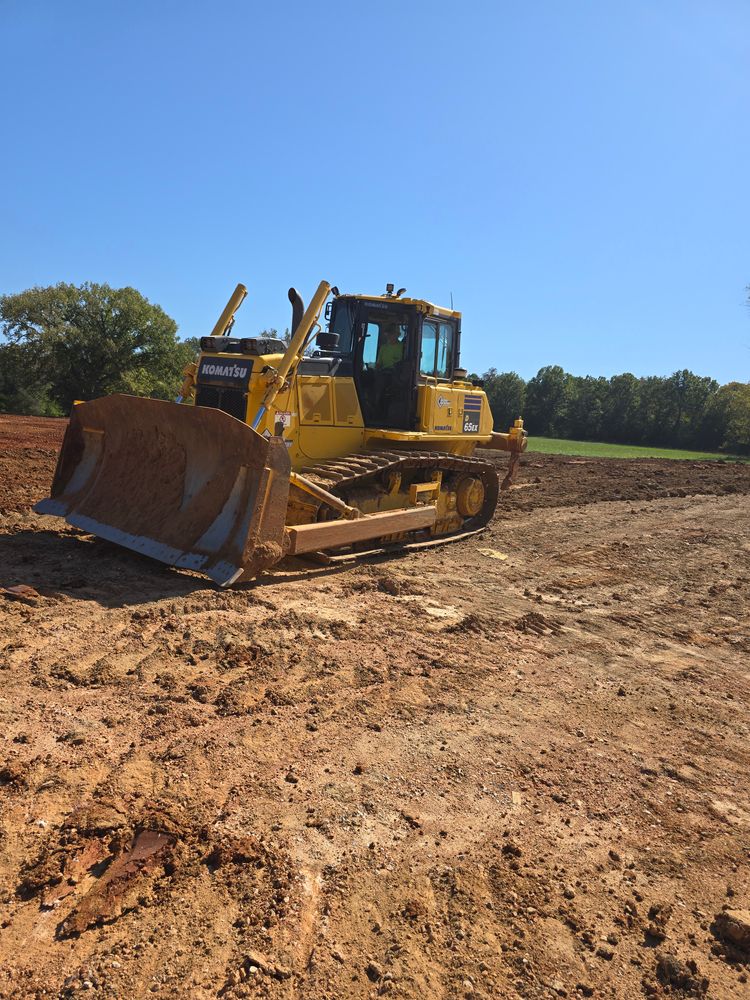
{"points": [[358, 435]]}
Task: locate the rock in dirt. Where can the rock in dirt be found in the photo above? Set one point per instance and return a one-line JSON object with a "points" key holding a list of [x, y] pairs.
{"points": [[95, 819], [658, 915], [373, 972], [733, 927], [254, 961], [682, 976], [21, 592], [75, 867], [14, 773], [116, 889]]}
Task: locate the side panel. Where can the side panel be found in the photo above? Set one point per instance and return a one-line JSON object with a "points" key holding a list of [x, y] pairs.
{"points": [[447, 409], [346, 403], [330, 418], [315, 399]]}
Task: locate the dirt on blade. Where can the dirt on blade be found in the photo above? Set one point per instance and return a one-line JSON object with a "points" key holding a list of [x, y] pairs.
{"points": [[514, 766]]}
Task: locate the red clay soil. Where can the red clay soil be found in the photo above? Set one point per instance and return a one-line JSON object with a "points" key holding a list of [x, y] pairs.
{"points": [[28, 453], [515, 766]]}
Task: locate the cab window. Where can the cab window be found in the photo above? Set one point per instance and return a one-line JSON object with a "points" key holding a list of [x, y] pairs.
{"points": [[370, 350], [443, 367], [437, 349], [429, 345], [385, 339]]}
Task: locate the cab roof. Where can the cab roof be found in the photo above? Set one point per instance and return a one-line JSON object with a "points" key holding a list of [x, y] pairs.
{"points": [[422, 305]]}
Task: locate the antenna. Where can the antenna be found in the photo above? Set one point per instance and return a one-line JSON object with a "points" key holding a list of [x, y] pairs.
{"points": [[451, 300]]}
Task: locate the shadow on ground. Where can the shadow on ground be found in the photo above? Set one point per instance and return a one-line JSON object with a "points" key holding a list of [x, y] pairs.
{"points": [[87, 568]]}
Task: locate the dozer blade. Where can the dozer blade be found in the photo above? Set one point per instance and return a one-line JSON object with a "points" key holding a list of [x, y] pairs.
{"points": [[188, 485]]}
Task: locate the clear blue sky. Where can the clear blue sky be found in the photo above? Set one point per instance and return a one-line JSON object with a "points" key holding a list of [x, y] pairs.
{"points": [[576, 173]]}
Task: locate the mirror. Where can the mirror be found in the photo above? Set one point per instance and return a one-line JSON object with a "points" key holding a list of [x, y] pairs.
{"points": [[327, 341]]}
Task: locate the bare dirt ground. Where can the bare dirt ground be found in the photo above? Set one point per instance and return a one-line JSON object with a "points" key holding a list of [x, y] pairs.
{"points": [[514, 766]]}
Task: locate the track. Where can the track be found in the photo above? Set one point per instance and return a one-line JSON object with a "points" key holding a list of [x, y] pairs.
{"points": [[369, 471]]}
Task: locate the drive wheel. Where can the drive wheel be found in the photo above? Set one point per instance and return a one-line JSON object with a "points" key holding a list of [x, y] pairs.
{"points": [[470, 496]]}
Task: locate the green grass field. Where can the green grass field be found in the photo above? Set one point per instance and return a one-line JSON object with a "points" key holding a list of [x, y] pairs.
{"points": [[596, 449]]}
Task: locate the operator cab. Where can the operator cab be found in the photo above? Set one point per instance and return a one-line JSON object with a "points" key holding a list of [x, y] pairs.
{"points": [[390, 345]]}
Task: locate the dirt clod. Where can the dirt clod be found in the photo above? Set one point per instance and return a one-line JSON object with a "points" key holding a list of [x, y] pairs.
{"points": [[681, 977], [658, 916], [733, 927], [373, 972]]}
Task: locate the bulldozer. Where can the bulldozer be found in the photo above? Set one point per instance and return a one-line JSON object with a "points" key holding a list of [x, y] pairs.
{"points": [[356, 436]]}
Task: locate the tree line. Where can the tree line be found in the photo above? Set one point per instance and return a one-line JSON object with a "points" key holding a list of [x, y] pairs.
{"points": [[67, 342], [682, 410]]}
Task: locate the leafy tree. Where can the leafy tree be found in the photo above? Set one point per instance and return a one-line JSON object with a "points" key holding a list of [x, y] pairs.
{"points": [[658, 413], [737, 434], [547, 401], [586, 405], [727, 420], [506, 394], [621, 418], [689, 395], [22, 388], [188, 348], [92, 340]]}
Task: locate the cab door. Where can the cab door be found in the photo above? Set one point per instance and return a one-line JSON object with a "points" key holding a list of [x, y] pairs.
{"points": [[385, 365]]}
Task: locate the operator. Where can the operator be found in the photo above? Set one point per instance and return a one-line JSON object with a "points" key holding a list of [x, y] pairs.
{"points": [[391, 350]]}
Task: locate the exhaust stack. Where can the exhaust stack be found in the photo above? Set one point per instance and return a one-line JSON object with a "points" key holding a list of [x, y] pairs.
{"points": [[298, 309]]}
